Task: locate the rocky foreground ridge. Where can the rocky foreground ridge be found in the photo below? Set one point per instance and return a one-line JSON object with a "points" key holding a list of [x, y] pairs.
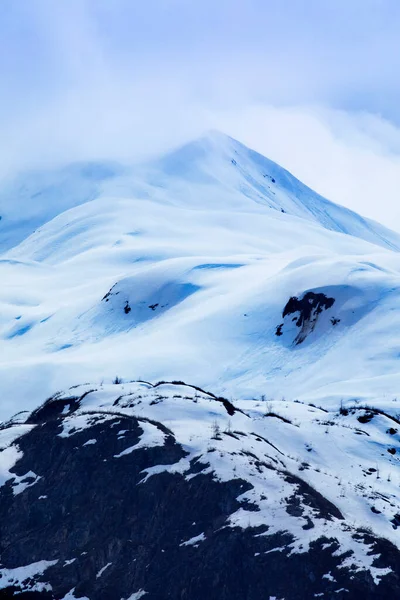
{"points": [[166, 491]]}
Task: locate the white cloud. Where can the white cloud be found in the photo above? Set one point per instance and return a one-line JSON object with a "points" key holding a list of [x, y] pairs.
{"points": [[85, 79]]}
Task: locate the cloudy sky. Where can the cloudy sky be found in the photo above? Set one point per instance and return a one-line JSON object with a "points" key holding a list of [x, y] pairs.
{"points": [[311, 84]]}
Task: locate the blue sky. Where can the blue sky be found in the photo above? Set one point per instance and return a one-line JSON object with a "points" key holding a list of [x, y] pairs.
{"points": [[312, 84]]}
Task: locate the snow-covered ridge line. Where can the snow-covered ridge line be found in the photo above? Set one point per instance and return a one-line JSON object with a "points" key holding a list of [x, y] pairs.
{"points": [[286, 451]]}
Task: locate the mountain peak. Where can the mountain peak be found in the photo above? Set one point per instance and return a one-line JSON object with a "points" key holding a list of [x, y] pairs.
{"points": [[217, 160], [211, 145]]}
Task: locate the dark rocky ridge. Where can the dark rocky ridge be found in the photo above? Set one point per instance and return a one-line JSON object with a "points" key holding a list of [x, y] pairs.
{"points": [[98, 510]]}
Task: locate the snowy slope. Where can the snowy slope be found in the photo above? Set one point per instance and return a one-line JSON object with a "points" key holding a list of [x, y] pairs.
{"points": [[184, 268], [35, 197]]}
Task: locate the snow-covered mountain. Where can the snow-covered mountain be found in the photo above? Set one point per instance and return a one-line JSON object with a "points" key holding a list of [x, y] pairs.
{"points": [[182, 268], [214, 266]]}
